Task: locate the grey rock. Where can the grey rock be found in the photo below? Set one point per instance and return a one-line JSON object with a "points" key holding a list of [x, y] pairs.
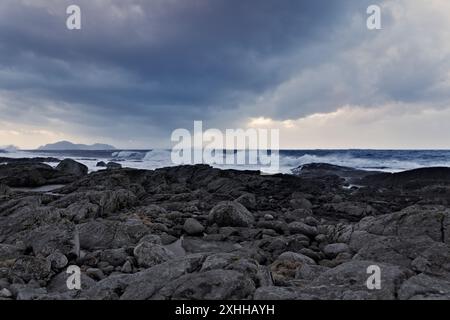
{"points": [[300, 203], [195, 245], [95, 273], [58, 283], [8, 251], [28, 293], [350, 210], [284, 268], [348, 281], [115, 257], [422, 287], [146, 284], [248, 200], [107, 289], [150, 254], [231, 214], [410, 222], [302, 228], [4, 190], [394, 250], [28, 268], [127, 267], [210, 285], [62, 237], [5, 293], [69, 166], [193, 227], [57, 260], [152, 238], [333, 249], [308, 271]]}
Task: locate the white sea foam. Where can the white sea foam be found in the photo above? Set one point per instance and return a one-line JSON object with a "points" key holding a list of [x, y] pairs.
{"points": [[389, 161]]}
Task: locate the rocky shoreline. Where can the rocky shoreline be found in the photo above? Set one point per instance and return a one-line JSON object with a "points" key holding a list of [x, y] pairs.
{"points": [[195, 232]]}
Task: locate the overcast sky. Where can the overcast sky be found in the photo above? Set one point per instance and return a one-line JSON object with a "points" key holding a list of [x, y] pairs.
{"points": [[139, 69]]}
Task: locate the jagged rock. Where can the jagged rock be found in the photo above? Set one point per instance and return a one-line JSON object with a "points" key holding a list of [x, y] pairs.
{"points": [[101, 164], [150, 254], [110, 234], [231, 214], [210, 285], [348, 281], [424, 287], [30, 175], [95, 273], [130, 230], [28, 268], [69, 166], [433, 221], [146, 284], [62, 237]]}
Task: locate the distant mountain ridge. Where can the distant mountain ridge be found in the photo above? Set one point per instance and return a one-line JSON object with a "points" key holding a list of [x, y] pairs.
{"points": [[67, 145]]}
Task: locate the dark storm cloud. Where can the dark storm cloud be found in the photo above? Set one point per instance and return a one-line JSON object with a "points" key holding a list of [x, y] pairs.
{"points": [[151, 66], [159, 61]]}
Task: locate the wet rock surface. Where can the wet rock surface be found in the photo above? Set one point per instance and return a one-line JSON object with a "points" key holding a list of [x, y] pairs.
{"points": [[194, 232]]}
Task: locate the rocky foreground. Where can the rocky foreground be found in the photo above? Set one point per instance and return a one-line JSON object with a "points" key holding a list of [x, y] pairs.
{"points": [[194, 232]]}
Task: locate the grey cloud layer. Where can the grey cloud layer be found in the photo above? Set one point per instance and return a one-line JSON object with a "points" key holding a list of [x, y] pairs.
{"points": [[151, 66]]}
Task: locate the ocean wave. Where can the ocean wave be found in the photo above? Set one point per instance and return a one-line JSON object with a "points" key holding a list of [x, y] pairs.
{"points": [[374, 163], [128, 155]]}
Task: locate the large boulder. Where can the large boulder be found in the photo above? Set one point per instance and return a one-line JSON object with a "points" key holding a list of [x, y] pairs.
{"points": [[31, 268], [210, 285], [71, 167], [431, 221], [150, 254], [59, 236], [284, 268], [193, 227], [29, 175], [230, 214], [424, 287]]}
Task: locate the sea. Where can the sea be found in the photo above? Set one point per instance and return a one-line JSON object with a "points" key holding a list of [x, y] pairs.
{"points": [[381, 160]]}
